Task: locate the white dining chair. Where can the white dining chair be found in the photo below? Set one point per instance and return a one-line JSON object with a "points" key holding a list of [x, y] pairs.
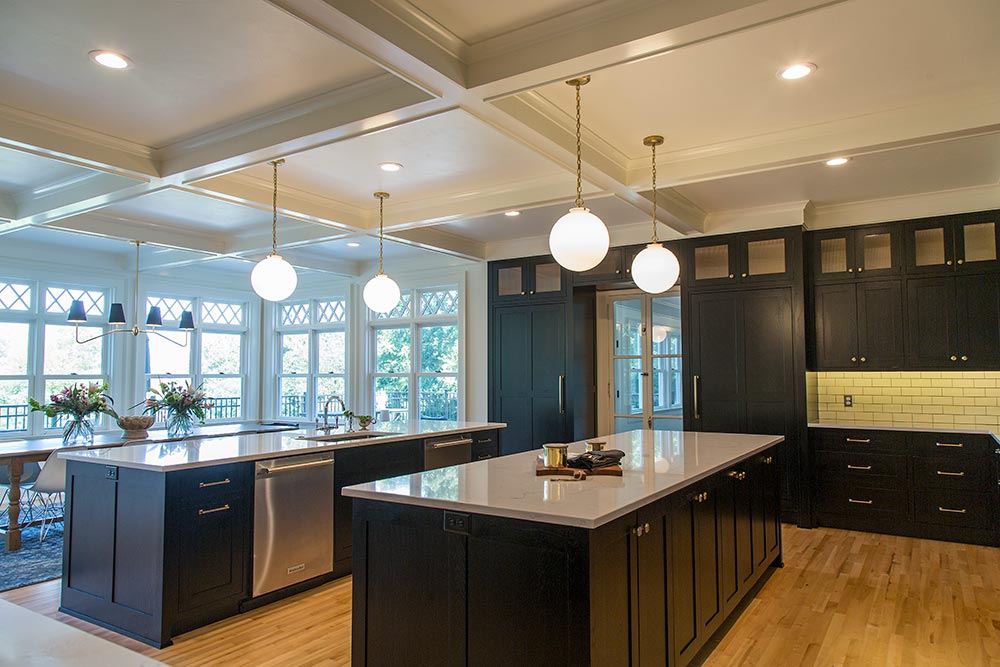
{"points": [[49, 488], [28, 475]]}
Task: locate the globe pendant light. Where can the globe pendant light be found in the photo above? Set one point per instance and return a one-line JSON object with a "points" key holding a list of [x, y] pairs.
{"points": [[579, 240], [655, 269], [274, 279], [381, 292]]}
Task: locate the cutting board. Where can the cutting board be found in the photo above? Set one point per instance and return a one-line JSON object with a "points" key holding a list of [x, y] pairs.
{"points": [[542, 471]]}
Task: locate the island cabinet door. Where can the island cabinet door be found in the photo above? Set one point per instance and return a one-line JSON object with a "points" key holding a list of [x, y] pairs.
{"points": [[736, 563], [695, 605]]}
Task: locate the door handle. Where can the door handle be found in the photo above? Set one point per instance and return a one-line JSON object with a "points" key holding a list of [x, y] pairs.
{"points": [[562, 394], [951, 511], [205, 485], [951, 474], [850, 467], [452, 443], [203, 512], [863, 441], [860, 502], [697, 408], [296, 466], [949, 444]]}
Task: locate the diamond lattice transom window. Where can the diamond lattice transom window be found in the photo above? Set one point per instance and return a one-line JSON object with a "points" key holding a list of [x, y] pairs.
{"points": [[170, 308], [331, 311], [58, 300], [295, 313], [221, 313], [402, 309], [14, 296], [439, 302]]}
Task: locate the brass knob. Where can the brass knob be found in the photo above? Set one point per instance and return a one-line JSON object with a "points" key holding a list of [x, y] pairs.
{"points": [[850, 270], [961, 261], [618, 270], [743, 275], [531, 292], [628, 270], [646, 527], [954, 358], [863, 359], [854, 359], [964, 358], [948, 262], [860, 269], [522, 293], [731, 275]]}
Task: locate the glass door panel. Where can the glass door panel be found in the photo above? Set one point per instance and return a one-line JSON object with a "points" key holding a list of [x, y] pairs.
{"points": [[711, 262], [548, 278], [627, 369], [833, 255], [928, 245], [509, 281], [628, 328], [666, 405], [766, 257], [979, 241], [877, 252]]}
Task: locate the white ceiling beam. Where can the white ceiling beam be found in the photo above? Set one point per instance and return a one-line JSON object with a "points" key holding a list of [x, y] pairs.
{"points": [[288, 237], [112, 227], [436, 240], [81, 189], [8, 209], [340, 267]]}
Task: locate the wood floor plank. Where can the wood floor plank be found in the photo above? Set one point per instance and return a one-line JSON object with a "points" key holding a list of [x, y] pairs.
{"points": [[843, 598]]}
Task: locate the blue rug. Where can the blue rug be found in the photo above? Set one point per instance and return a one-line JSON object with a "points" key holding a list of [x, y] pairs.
{"points": [[35, 561]]}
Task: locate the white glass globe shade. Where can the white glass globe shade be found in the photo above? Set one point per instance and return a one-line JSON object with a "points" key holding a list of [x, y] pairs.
{"points": [[655, 269], [579, 240], [273, 279], [381, 293], [659, 333]]}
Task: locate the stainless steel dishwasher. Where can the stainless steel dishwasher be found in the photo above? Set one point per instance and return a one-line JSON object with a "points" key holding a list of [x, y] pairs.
{"points": [[292, 521], [449, 450]]}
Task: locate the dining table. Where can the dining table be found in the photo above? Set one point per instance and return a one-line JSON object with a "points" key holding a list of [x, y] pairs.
{"points": [[16, 453]]}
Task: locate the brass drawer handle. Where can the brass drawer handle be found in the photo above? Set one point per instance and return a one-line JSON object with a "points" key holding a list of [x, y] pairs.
{"points": [[205, 485], [945, 509], [737, 475], [863, 441], [951, 474], [949, 444], [860, 502], [767, 460], [850, 467], [213, 510]]}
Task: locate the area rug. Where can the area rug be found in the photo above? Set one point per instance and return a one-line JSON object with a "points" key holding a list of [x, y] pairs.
{"points": [[35, 561]]}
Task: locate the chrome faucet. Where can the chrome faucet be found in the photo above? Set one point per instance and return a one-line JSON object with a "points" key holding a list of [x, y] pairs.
{"points": [[326, 412]]}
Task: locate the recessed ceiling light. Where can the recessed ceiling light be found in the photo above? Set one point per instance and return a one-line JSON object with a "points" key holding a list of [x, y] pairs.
{"points": [[353, 244], [797, 71], [837, 161], [390, 166], [110, 59], [512, 214]]}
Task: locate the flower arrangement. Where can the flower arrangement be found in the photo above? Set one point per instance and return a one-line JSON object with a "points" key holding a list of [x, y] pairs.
{"points": [[79, 401], [182, 403]]}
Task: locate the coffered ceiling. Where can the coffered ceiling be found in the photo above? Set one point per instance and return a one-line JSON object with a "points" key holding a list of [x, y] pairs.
{"points": [[469, 98]]}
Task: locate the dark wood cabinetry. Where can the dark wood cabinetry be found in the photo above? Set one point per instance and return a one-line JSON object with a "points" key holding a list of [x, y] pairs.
{"points": [[610, 269], [745, 259], [858, 326], [528, 279], [954, 322], [648, 588], [923, 484], [955, 244], [873, 251]]}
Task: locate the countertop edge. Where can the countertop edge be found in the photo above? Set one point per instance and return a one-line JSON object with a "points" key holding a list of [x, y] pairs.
{"points": [[907, 429], [356, 491], [94, 456]]}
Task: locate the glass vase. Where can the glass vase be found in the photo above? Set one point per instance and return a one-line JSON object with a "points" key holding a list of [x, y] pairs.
{"points": [[179, 425], [78, 432]]}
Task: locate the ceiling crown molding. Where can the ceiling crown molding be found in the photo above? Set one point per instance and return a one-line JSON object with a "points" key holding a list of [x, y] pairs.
{"points": [[906, 207], [427, 26], [786, 214]]}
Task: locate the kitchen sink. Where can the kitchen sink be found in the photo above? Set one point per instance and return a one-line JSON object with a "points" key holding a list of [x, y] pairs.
{"points": [[351, 435]]}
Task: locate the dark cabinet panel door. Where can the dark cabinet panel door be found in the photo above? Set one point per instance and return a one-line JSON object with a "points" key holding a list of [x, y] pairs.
{"points": [[977, 301], [929, 246], [878, 251], [836, 326], [512, 377], [770, 474], [767, 361], [880, 325], [759, 509], [608, 270], [213, 552], [716, 367], [682, 591], [932, 337], [652, 585], [832, 255], [977, 241], [547, 364], [729, 579], [708, 594]]}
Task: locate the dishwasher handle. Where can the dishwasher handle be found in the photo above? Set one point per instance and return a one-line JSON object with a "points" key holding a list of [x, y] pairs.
{"points": [[270, 470], [450, 443]]}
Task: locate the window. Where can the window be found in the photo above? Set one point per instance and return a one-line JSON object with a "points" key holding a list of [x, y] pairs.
{"points": [[415, 357], [215, 356], [312, 357], [39, 354]]}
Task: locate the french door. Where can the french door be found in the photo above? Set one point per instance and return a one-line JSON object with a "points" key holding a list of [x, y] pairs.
{"points": [[640, 370]]}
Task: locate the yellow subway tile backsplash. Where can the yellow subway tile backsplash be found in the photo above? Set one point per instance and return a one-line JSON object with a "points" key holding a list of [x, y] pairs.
{"points": [[970, 399]]}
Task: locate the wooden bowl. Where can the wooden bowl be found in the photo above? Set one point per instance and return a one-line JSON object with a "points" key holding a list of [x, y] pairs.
{"points": [[134, 426]]}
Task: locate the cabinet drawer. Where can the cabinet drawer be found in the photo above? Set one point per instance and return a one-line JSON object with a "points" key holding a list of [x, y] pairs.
{"points": [[950, 472], [850, 499], [857, 440], [204, 485], [865, 468], [952, 507], [951, 444], [484, 445]]}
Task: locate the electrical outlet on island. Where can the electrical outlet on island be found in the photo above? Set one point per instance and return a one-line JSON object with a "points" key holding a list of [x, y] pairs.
{"points": [[848, 401]]}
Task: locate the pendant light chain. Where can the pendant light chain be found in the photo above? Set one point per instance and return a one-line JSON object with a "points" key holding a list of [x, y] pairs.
{"points": [[656, 239], [579, 151], [381, 201], [274, 208], [135, 310]]}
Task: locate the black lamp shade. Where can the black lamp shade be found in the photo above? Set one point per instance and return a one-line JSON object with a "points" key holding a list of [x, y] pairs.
{"points": [[77, 312], [117, 315], [187, 321], [153, 319]]}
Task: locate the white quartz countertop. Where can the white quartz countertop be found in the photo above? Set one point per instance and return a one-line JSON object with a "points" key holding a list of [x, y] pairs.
{"points": [[30, 639], [656, 464], [909, 429], [199, 453]]}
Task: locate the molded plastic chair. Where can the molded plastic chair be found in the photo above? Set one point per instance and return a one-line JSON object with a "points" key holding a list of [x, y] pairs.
{"points": [[30, 474], [49, 488]]}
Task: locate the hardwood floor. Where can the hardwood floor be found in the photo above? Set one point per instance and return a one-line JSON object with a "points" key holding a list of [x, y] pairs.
{"points": [[843, 598]]}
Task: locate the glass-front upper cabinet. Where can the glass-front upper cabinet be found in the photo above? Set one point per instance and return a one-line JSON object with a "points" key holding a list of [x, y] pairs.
{"points": [[523, 279], [962, 243], [860, 252], [744, 258]]}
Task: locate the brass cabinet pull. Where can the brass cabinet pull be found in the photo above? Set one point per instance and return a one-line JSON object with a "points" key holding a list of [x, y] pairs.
{"points": [[860, 269], [951, 474], [205, 485], [697, 408], [951, 511], [214, 510], [562, 394], [961, 261], [646, 528], [953, 358], [743, 275], [767, 460], [964, 358], [731, 276], [860, 502], [864, 359], [850, 270], [854, 359], [850, 467], [948, 262], [863, 441], [949, 444], [637, 531]]}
